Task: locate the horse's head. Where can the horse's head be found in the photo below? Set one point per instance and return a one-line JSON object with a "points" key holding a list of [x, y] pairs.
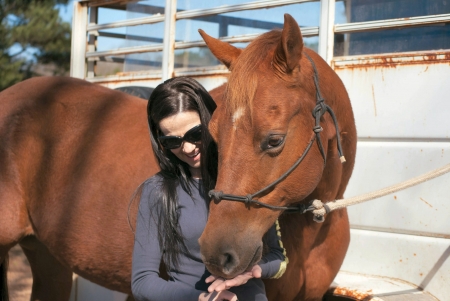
{"points": [[262, 126]]}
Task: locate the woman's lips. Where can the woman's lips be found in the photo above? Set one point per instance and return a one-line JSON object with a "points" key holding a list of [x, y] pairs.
{"points": [[194, 155]]}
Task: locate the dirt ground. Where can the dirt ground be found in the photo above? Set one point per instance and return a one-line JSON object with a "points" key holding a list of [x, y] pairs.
{"points": [[19, 276]]}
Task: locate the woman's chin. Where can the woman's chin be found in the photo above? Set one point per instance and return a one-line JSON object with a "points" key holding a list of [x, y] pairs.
{"points": [[195, 168], [194, 162]]}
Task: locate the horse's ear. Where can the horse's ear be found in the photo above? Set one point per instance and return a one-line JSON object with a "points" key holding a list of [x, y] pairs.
{"points": [[223, 51], [289, 51]]}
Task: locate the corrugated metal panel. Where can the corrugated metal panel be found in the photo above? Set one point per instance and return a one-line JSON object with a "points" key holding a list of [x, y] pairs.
{"points": [[147, 80], [84, 290], [401, 111], [371, 288], [419, 210], [392, 23], [421, 261], [399, 97]]}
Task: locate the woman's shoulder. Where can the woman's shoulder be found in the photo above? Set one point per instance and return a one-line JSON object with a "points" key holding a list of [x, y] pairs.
{"points": [[153, 181], [149, 189]]}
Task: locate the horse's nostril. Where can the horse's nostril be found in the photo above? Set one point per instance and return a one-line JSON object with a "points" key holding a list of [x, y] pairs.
{"points": [[228, 259], [229, 262]]}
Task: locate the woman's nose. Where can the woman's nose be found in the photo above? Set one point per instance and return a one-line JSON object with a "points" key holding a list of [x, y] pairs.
{"points": [[188, 147]]}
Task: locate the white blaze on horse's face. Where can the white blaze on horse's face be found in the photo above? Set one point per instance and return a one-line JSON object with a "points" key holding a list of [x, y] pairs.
{"points": [[238, 114]]}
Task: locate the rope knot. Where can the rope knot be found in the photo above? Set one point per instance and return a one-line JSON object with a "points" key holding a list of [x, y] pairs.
{"points": [[320, 209], [317, 129], [248, 199], [216, 195], [320, 108]]}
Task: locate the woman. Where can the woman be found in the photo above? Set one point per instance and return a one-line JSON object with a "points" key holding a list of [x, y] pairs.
{"points": [[174, 205]]}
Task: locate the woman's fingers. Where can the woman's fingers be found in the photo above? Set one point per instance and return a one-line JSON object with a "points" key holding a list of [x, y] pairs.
{"points": [[222, 284], [256, 271], [218, 296], [218, 282], [239, 280], [211, 279], [225, 295]]}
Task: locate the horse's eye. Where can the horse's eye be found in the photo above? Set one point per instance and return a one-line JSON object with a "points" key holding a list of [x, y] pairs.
{"points": [[275, 141]]}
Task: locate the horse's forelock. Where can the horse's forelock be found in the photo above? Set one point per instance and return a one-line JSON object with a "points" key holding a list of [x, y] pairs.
{"points": [[243, 80]]}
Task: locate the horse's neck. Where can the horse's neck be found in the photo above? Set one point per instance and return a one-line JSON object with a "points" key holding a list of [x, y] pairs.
{"points": [[297, 231]]}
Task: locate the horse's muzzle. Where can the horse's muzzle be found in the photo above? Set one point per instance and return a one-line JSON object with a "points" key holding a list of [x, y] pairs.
{"points": [[229, 260]]}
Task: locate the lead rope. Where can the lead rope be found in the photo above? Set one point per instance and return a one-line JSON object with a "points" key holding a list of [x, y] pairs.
{"points": [[321, 209]]}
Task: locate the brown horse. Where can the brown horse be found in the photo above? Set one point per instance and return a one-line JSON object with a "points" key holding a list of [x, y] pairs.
{"points": [[72, 153], [263, 126]]}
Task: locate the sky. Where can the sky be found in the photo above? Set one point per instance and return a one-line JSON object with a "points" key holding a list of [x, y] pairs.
{"points": [[66, 11]]}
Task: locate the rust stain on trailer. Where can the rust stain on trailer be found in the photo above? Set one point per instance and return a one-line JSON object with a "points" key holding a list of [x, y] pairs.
{"points": [[352, 293], [430, 57], [391, 60], [374, 102]]}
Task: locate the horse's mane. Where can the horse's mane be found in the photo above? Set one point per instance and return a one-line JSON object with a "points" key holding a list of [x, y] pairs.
{"points": [[243, 81]]}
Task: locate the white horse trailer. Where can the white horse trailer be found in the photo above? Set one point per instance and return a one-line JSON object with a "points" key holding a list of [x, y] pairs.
{"points": [[394, 58]]}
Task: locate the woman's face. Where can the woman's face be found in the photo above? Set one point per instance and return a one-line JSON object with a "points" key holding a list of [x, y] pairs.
{"points": [[178, 125]]}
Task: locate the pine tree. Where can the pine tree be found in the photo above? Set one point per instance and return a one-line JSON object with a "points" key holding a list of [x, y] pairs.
{"points": [[32, 33]]}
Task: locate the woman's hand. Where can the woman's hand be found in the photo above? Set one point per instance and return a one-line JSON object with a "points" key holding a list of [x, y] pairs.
{"points": [[219, 284], [218, 296]]}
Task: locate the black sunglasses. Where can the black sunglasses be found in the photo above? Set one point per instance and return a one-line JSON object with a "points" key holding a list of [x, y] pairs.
{"points": [[194, 135]]}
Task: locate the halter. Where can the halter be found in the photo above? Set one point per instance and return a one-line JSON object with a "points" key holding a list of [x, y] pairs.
{"points": [[319, 110]]}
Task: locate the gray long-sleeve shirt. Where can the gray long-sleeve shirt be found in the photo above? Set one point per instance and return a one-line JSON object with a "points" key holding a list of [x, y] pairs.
{"points": [[188, 281]]}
